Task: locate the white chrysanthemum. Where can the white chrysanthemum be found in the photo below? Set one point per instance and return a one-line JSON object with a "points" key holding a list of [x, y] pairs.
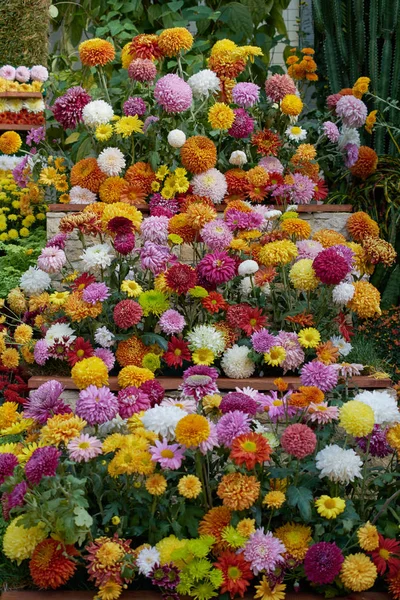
{"points": [[8, 163], [291, 207], [236, 362], [96, 257], [238, 158], [248, 267], [296, 133], [14, 105], [206, 336], [383, 404], [34, 105], [80, 195], [273, 214], [176, 138], [104, 337], [338, 465], [163, 420], [212, 184], [97, 113], [34, 281], [59, 331], [344, 347], [111, 161], [116, 425], [204, 83], [147, 559], [342, 293], [348, 135]]}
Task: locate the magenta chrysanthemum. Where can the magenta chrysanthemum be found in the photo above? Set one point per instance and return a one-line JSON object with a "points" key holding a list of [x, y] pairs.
{"points": [[106, 356], [59, 240], [346, 252], [315, 373], [134, 106], [303, 189], [331, 131], [160, 206], [154, 257], [294, 352], [42, 463], [323, 562], [217, 235], [262, 340], [298, 440], [199, 381], [96, 405], [332, 100], [263, 551], [132, 400], [171, 322], [45, 402], [330, 267], [154, 391], [155, 229], [8, 462], [142, 69], [173, 93], [352, 111], [231, 425], [14, 498], [51, 259], [217, 268], [95, 292], [238, 401], [124, 243], [246, 94], [278, 86], [40, 352], [243, 125], [67, 109]]}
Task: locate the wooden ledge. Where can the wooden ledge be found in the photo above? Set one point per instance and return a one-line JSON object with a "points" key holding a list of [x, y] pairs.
{"points": [[20, 95], [263, 384], [19, 126], [302, 208]]}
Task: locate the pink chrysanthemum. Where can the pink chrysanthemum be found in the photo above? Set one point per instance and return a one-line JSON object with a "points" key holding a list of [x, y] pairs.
{"points": [[352, 111], [106, 356], [262, 341], [212, 184], [171, 322], [271, 164], [303, 189], [124, 243], [95, 292], [315, 373], [243, 125], [236, 219], [212, 440], [199, 381], [7, 72], [231, 425], [263, 551], [308, 249], [278, 86], [84, 447], [51, 259], [217, 235], [127, 313], [96, 405], [322, 413], [142, 69], [331, 131], [154, 257], [22, 74], [217, 268], [39, 73], [323, 562], [40, 352], [160, 206], [42, 463], [168, 456], [330, 267], [45, 402], [173, 93], [67, 109], [298, 440], [134, 106], [332, 100], [59, 240], [132, 400], [155, 229], [238, 401], [294, 352], [246, 94]]}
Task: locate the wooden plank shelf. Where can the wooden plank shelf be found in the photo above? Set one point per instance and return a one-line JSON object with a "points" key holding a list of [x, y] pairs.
{"points": [[20, 94], [302, 208], [262, 384], [19, 127]]}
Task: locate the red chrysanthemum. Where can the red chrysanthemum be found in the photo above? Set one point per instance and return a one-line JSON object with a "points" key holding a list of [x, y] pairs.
{"points": [[387, 556], [236, 313], [298, 440], [82, 282], [252, 320], [176, 353], [321, 190], [50, 565], [106, 557], [275, 179], [181, 278], [120, 225], [394, 586], [236, 572], [250, 449], [79, 350], [267, 142], [214, 302], [127, 313], [345, 329], [145, 45], [237, 183]]}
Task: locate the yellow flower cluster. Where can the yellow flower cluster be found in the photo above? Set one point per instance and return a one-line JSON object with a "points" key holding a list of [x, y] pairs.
{"points": [[20, 209], [123, 126], [170, 183], [15, 86]]}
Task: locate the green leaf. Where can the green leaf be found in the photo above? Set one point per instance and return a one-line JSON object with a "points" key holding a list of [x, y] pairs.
{"points": [[238, 18], [302, 498], [82, 517], [74, 137], [257, 8], [176, 5], [153, 338], [84, 149], [154, 12]]}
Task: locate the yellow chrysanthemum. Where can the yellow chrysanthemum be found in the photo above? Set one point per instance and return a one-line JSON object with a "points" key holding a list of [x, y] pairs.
{"points": [[8, 414], [358, 572], [10, 358], [246, 527], [133, 376], [368, 537], [357, 418], [89, 371], [296, 227], [221, 116], [59, 298], [156, 484], [277, 253], [393, 437], [309, 337], [211, 402], [329, 507], [10, 142], [302, 275], [264, 591], [203, 356], [296, 539], [274, 499], [111, 590], [370, 121], [167, 546], [366, 300], [103, 132], [275, 356], [20, 542], [131, 288], [192, 430], [189, 486], [125, 126], [291, 105], [23, 334], [61, 429], [175, 39]]}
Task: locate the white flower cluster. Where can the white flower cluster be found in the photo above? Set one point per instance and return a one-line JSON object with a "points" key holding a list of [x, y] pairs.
{"points": [[97, 113], [111, 161], [204, 83], [384, 405], [338, 464], [96, 257], [236, 362], [206, 336], [34, 281], [163, 420]]}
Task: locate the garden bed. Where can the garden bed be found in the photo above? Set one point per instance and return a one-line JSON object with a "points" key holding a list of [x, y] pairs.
{"points": [[146, 595]]}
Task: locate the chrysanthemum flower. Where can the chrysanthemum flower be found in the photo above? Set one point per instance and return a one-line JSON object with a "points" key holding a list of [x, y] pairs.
{"points": [[236, 573], [264, 552], [368, 537], [250, 449], [146, 46], [356, 419], [266, 591], [132, 375], [221, 116], [156, 484], [90, 371], [298, 440], [142, 70], [276, 253], [20, 542], [10, 142], [358, 572], [189, 486], [237, 491], [275, 356], [173, 94], [87, 174], [266, 142], [323, 562], [309, 337], [302, 274], [379, 251], [174, 40], [296, 538], [198, 154], [61, 429], [50, 565], [361, 226], [274, 499], [328, 507], [328, 237], [192, 430], [386, 556], [96, 52], [366, 300], [291, 105]]}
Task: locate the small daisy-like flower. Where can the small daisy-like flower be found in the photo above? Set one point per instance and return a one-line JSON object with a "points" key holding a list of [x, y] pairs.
{"points": [[296, 133]]}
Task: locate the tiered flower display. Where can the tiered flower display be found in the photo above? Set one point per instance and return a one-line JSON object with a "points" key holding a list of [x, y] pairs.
{"points": [[16, 109]]}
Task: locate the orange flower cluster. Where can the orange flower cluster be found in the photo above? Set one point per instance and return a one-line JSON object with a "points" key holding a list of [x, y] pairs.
{"points": [[302, 67]]}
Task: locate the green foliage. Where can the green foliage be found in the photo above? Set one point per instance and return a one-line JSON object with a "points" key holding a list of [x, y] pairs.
{"points": [[366, 351], [383, 335], [24, 30], [15, 259]]}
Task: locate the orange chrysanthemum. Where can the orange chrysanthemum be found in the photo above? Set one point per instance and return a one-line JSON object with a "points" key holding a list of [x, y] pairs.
{"points": [[131, 352], [96, 52], [87, 174], [306, 395], [250, 449], [311, 169], [304, 152], [213, 523], [142, 175], [379, 251], [192, 430], [239, 205], [180, 225], [50, 565], [328, 237], [366, 163], [146, 46], [327, 353], [298, 228], [236, 180], [77, 309], [266, 142], [189, 199], [264, 275], [296, 539], [226, 64], [174, 40], [360, 225], [133, 194], [394, 586], [238, 491], [110, 190], [198, 154], [200, 214]]}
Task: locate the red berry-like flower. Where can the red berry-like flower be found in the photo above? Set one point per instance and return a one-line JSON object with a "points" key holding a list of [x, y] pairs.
{"points": [[236, 313], [50, 565], [298, 440], [330, 267], [127, 313], [181, 278], [176, 353]]}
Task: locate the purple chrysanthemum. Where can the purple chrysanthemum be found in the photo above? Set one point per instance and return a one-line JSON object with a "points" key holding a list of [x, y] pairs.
{"points": [[330, 266], [232, 425], [165, 576], [352, 111], [132, 400], [160, 206], [35, 136], [67, 109], [41, 352], [217, 268], [106, 356], [243, 125], [351, 156], [262, 341], [294, 352], [246, 94], [154, 391], [148, 121], [96, 292], [263, 551], [236, 219], [331, 131], [155, 229], [217, 235], [14, 498], [238, 401], [59, 240], [124, 242], [96, 405], [19, 176], [201, 370], [45, 402], [173, 93], [8, 462], [271, 164], [303, 189], [308, 249], [323, 562], [315, 373], [134, 106], [171, 322], [378, 445], [154, 257], [42, 463]]}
